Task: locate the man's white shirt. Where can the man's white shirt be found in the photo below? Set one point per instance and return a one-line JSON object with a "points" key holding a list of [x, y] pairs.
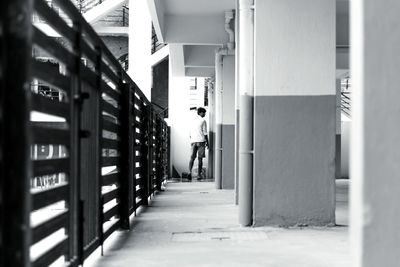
{"points": [[198, 130]]}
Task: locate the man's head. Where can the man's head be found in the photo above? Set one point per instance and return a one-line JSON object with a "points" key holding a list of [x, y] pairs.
{"points": [[201, 112]]}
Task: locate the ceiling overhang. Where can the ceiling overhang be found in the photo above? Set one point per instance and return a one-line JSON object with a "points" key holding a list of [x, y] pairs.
{"points": [[194, 28]]}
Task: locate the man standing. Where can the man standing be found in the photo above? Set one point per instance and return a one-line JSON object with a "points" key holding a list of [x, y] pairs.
{"points": [[198, 142]]}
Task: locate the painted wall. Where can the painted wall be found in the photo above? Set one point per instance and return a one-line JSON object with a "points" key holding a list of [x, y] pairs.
{"points": [[295, 47], [295, 105], [140, 46]]}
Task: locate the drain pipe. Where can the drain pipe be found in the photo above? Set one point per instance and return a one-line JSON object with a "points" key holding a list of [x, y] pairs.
{"points": [[246, 114], [219, 54], [211, 114]]}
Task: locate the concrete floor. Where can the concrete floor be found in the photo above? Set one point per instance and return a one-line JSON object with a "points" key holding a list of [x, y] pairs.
{"points": [[192, 224]]}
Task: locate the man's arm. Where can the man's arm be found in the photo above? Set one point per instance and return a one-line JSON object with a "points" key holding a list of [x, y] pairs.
{"points": [[205, 133]]}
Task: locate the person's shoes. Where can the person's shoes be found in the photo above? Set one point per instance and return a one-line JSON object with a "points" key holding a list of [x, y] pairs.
{"points": [[189, 177], [200, 177]]}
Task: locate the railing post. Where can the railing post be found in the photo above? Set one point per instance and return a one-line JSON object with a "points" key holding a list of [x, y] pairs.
{"points": [[15, 164], [99, 136], [159, 158], [126, 155], [145, 158], [76, 203]]}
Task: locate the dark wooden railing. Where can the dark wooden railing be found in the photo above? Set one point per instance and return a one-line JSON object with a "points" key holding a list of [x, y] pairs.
{"points": [[114, 146]]}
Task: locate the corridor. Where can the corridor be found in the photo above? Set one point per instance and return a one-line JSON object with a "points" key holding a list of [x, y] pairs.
{"points": [[192, 224]]}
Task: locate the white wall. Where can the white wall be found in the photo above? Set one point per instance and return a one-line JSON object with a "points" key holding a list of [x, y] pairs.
{"points": [[272, 75], [140, 46], [228, 99]]}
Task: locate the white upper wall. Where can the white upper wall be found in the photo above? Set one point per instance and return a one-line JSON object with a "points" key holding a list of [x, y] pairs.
{"points": [[140, 68], [200, 55], [295, 47]]}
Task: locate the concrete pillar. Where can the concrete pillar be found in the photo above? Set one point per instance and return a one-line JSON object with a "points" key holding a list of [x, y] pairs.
{"points": [[294, 113], [228, 123], [218, 121], [245, 50], [375, 133], [338, 130], [140, 46]]}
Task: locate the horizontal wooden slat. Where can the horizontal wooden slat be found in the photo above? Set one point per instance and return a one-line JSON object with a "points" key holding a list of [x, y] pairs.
{"points": [[139, 180], [88, 52], [46, 72], [110, 109], [137, 158], [110, 161], [109, 143], [60, 249], [54, 48], [110, 195], [110, 179], [109, 91], [48, 135], [139, 135], [138, 112], [137, 170], [110, 126], [139, 103], [50, 166], [54, 20], [111, 230], [110, 213], [141, 95], [49, 227], [139, 192], [110, 74], [50, 196], [46, 105], [139, 203]]}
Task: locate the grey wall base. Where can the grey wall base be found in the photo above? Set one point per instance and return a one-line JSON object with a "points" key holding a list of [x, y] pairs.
{"points": [[294, 160], [228, 156]]}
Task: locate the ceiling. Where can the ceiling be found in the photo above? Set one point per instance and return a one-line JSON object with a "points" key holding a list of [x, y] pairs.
{"points": [[196, 7], [198, 27]]}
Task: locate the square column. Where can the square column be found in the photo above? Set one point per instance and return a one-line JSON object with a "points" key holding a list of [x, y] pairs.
{"points": [[294, 113], [375, 135], [228, 123]]}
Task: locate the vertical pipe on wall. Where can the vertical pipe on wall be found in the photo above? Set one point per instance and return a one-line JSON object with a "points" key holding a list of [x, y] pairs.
{"points": [[246, 87], [237, 107], [218, 119], [210, 174]]}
